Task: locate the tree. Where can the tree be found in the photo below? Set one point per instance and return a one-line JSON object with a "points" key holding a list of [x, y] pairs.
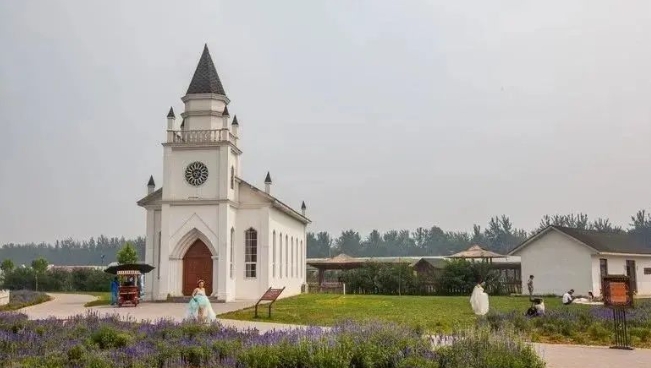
{"points": [[39, 266], [349, 243], [7, 266], [127, 254]]}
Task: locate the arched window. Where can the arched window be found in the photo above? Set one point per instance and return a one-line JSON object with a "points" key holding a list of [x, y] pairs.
{"points": [[286, 256], [273, 255], [232, 258], [250, 253], [280, 258], [232, 177], [293, 264]]}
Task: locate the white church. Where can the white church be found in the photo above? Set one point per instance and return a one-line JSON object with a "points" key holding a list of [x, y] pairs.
{"points": [[206, 222]]}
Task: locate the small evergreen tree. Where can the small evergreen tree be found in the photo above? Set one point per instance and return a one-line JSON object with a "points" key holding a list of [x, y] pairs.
{"points": [[127, 254]]}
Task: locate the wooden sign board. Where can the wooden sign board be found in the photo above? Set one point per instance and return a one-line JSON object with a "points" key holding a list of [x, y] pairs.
{"points": [[617, 291], [272, 294]]}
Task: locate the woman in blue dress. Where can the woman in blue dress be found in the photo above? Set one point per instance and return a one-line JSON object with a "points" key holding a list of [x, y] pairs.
{"points": [[199, 307]]}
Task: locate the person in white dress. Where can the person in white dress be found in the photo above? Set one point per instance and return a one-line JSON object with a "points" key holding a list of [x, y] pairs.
{"points": [[479, 300], [199, 307]]}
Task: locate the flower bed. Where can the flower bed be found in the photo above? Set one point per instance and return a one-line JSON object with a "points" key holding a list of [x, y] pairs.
{"points": [[569, 324], [90, 341], [24, 298]]}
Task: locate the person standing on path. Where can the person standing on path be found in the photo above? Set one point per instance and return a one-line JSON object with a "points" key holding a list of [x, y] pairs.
{"points": [[530, 286], [115, 285]]}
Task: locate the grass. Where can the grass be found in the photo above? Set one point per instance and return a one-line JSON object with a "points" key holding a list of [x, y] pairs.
{"points": [[103, 298], [434, 314]]}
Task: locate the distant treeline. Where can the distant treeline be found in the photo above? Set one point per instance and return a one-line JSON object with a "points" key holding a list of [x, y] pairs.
{"points": [[500, 236], [71, 252]]}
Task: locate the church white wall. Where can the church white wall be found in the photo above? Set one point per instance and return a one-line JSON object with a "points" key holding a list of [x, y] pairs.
{"points": [[558, 263], [204, 105], [289, 274], [258, 219], [175, 187]]}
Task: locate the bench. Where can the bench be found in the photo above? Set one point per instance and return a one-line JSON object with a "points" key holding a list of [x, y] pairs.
{"points": [[269, 296]]}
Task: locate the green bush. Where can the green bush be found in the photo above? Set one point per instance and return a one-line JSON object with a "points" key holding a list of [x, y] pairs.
{"points": [[482, 348], [374, 278], [109, 338], [57, 280], [460, 276]]}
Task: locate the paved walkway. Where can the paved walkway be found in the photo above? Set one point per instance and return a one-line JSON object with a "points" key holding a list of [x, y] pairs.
{"points": [[556, 356], [67, 305]]}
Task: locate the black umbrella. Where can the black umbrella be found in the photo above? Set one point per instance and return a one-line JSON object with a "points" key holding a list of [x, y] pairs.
{"points": [[142, 267]]}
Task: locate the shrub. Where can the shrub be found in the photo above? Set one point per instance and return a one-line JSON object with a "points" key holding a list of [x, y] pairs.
{"points": [[24, 298], [58, 280], [385, 279], [481, 348], [460, 276]]}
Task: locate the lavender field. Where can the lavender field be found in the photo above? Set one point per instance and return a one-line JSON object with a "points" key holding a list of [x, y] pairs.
{"points": [[89, 341], [576, 324]]}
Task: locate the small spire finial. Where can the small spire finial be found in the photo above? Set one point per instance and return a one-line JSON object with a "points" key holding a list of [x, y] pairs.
{"points": [[235, 121], [303, 206], [267, 179], [151, 183], [225, 113], [171, 113]]}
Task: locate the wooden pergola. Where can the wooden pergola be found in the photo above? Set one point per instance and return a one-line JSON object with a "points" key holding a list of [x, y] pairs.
{"points": [[345, 262], [510, 272], [477, 252]]}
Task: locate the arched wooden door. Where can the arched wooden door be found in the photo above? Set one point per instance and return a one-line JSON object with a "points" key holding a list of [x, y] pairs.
{"points": [[197, 265]]}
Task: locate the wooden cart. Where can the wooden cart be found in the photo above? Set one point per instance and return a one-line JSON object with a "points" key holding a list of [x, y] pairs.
{"points": [[129, 292]]}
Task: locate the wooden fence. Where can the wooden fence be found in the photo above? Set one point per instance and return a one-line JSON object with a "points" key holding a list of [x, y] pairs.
{"points": [[503, 288]]}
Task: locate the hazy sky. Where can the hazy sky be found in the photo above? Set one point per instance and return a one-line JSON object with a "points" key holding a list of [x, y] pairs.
{"points": [[379, 114]]}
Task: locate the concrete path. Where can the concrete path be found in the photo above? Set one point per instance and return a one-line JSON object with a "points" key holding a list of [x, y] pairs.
{"points": [[67, 305], [556, 356], [575, 356]]}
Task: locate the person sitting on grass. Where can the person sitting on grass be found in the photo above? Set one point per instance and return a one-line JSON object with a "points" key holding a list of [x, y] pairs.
{"points": [[568, 297], [537, 308]]}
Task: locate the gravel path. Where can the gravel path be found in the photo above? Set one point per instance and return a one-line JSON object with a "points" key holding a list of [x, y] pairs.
{"points": [[556, 356]]}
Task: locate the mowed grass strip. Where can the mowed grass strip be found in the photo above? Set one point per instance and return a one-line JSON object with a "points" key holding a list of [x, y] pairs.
{"points": [[433, 313]]}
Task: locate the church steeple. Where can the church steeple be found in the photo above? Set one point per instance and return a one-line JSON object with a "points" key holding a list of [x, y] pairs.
{"points": [[205, 79]]}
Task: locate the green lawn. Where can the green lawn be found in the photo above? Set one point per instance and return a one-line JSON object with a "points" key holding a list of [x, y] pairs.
{"points": [[103, 298], [433, 313]]}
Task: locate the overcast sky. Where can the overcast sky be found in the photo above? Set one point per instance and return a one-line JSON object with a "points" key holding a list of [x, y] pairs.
{"points": [[379, 114]]}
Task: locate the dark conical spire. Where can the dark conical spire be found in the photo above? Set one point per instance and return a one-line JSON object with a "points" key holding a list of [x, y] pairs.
{"points": [[171, 113], [151, 183], [267, 180], [235, 121], [225, 113], [205, 78], [303, 206]]}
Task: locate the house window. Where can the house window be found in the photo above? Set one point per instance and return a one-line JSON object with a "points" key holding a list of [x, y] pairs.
{"points": [[250, 253], [232, 258], [232, 177], [647, 271], [286, 255], [273, 255], [280, 257]]}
